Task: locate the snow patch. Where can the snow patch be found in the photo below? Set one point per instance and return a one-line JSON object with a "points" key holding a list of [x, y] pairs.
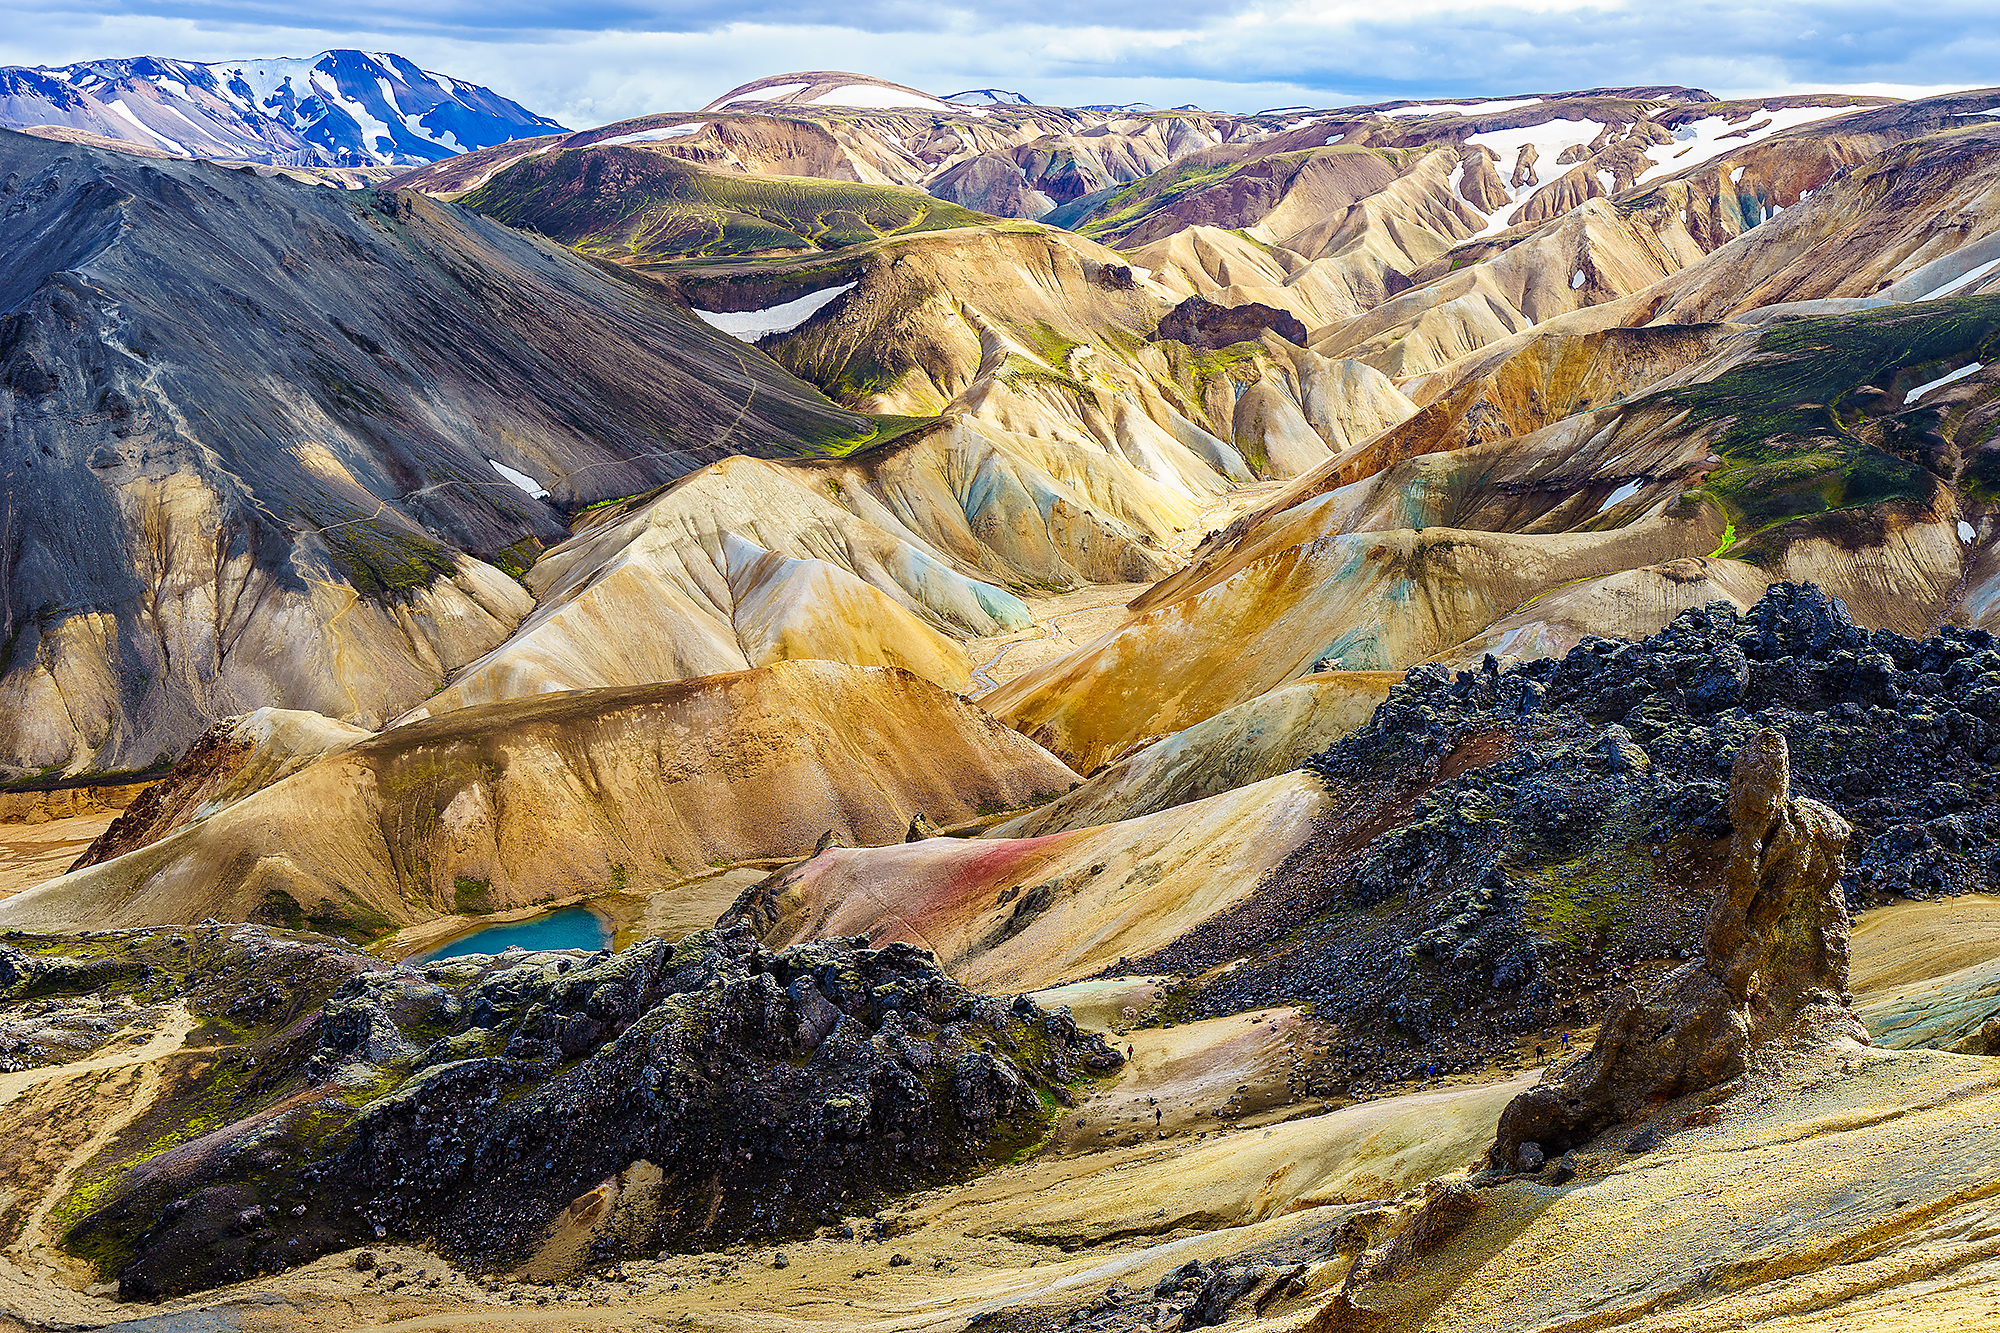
{"points": [[876, 97], [446, 139], [750, 325], [117, 106], [1550, 139], [1700, 140], [1737, 175], [1941, 381], [770, 94], [654, 135], [1576, 280], [1621, 495], [521, 479], [1963, 280], [375, 134], [1965, 531], [184, 119], [1461, 108]]}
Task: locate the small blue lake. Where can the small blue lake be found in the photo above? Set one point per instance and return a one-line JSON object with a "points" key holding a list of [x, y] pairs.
{"points": [[571, 928]]}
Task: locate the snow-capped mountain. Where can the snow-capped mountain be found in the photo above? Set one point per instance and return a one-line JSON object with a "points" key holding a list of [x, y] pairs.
{"points": [[989, 97], [338, 108]]}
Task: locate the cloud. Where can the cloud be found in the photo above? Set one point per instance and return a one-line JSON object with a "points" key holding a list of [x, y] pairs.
{"points": [[596, 62]]}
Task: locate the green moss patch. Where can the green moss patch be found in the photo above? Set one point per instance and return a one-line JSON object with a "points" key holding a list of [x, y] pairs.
{"points": [[1790, 425], [631, 205]]}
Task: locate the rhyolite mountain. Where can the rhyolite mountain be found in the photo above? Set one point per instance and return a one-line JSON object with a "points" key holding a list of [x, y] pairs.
{"points": [[338, 108], [1341, 599], [254, 436]]}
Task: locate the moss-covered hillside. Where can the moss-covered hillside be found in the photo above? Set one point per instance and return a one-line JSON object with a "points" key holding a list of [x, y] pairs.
{"points": [[630, 205]]}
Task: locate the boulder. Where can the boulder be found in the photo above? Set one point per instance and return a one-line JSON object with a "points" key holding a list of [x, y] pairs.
{"points": [[1774, 965]]}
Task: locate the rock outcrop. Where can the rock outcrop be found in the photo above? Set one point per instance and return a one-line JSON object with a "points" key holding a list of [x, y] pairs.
{"points": [[1201, 323], [557, 1109], [1775, 965], [1508, 847]]}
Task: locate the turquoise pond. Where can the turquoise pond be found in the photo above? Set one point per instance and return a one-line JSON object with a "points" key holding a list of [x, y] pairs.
{"points": [[572, 928]]}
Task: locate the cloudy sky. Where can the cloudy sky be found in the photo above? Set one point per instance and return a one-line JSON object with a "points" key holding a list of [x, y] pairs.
{"points": [[595, 61]]}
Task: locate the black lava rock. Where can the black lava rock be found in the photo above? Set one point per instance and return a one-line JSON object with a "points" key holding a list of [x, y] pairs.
{"points": [[1511, 844], [670, 1095]]}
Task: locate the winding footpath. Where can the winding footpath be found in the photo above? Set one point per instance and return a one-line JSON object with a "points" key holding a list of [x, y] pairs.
{"points": [[982, 675], [35, 1247]]}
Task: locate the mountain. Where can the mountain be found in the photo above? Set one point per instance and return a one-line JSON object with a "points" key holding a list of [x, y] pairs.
{"points": [[1008, 158], [790, 752], [1461, 637], [257, 453], [338, 108], [829, 88], [989, 97]]}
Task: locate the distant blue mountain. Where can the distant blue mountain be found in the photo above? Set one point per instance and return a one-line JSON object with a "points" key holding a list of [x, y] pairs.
{"points": [[338, 108]]}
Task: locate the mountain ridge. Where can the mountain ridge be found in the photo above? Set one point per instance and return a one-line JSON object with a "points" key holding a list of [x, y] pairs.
{"points": [[338, 108]]}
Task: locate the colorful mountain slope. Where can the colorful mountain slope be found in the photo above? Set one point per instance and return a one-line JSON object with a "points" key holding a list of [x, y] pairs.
{"points": [[256, 456], [569, 795]]}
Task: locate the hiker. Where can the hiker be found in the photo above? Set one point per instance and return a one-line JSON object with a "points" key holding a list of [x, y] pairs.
{"points": [[1565, 1040], [1539, 1054], [1156, 1117]]}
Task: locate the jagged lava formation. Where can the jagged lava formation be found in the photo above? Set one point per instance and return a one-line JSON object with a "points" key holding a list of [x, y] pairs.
{"points": [[669, 1095], [1774, 965], [1508, 842]]}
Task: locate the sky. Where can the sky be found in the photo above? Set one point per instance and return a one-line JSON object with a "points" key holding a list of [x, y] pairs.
{"points": [[596, 61]]}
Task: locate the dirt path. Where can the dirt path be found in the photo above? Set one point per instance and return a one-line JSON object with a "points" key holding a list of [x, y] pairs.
{"points": [[35, 1246], [1109, 598], [162, 1043]]}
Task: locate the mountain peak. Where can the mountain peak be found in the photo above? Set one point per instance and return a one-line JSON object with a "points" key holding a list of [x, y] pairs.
{"points": [[338, 108], [989, 97], [839, 88]]}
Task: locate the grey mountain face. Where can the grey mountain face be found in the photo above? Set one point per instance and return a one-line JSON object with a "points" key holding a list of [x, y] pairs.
{"points": [[248, 434]]}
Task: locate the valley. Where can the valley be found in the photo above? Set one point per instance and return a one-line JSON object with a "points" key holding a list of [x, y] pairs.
{"points": [[1324, 721]]}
